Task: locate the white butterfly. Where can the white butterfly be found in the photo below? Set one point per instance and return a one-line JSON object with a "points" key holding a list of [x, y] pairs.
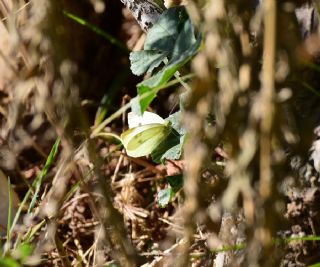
{"points": [[145, 133]]}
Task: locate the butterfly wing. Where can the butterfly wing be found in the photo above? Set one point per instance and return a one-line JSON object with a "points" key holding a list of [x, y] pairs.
{"points": [[142, 140], [135, 120]]}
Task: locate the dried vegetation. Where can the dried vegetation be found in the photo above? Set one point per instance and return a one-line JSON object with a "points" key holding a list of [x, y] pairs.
{"points": [[251, 181]]}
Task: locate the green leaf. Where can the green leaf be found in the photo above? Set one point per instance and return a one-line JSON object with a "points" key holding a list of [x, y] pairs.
{"points": [[176, 182], [151, 85], [175, 121], [165, 75], [8, 262], [136, 105], [185, 40], [174, 152], [164, 197], [146, 61], [162, 36], [23, 251], [162, 41], [146, 96], [172, 39], [183, 57], [171, 147], [164, 150]]}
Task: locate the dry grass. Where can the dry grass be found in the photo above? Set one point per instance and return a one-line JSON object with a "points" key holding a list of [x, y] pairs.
{"points": [[248, 181]]}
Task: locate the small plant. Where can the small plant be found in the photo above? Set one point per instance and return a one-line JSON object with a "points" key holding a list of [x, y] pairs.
{"points": [[17, 257], [170, 44], [18, 251]]}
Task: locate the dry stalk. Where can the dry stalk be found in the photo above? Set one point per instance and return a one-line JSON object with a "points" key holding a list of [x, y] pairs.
{"points": [[267, 95], [66, 114], [197, 151], [110, 218]]}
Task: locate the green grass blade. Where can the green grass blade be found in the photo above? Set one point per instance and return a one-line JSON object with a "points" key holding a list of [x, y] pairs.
{"points": [[16, 217], [38, 181], [294, 239], [9, 213], [229, 248], [27, 195], [98, 31], [313, 66], [310, 88], [32, 231]]}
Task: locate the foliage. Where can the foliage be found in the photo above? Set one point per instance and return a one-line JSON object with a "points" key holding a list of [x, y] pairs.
{"points": [[98, 205], [172, 43], [17, 257], [165, 195]]}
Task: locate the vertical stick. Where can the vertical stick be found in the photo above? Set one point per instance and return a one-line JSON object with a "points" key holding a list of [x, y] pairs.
{"points": [[267, 94]]}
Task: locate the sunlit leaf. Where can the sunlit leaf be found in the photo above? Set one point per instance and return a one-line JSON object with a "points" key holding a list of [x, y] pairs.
{"points": [[165, 75], [164, 197], [146, 61]]}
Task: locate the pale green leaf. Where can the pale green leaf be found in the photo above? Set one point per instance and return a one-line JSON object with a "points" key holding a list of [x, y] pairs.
{"points": [[164, 75], [146, 61], [164, 197], [162, 36]]}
